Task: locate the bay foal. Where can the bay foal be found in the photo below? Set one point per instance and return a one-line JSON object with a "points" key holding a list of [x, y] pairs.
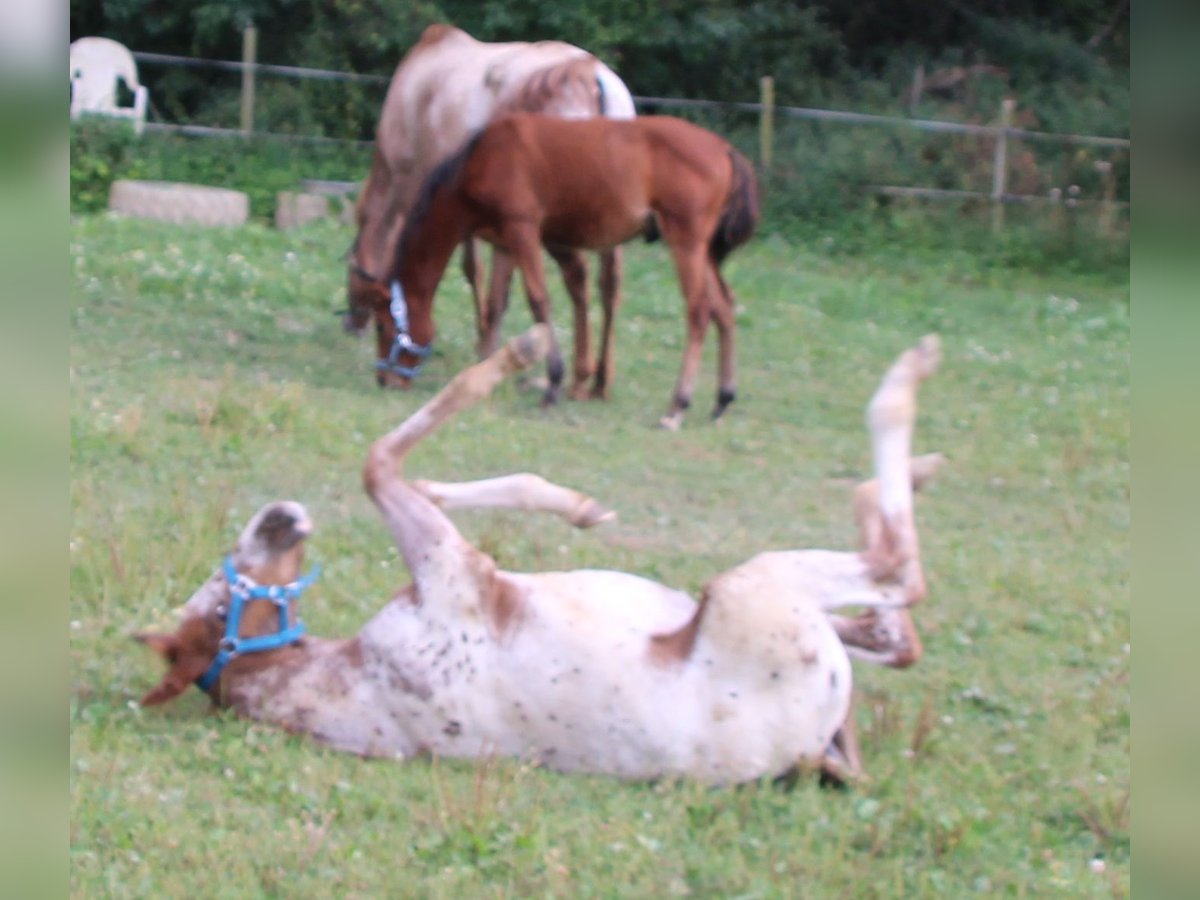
{"points": [[592, 184]]}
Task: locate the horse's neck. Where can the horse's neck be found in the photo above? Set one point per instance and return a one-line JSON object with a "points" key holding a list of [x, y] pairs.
{"points": [[318, 687], [428, 240]]}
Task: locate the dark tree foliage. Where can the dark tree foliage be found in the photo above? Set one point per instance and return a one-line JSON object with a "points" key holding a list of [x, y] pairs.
{"points": [[850, 52]]}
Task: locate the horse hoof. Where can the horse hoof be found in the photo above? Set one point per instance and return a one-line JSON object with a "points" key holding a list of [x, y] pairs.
{"points": [[593, 514], [533, 383], [672, 421]]}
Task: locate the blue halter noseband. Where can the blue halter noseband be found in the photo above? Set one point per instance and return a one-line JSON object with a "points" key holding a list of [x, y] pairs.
{"points": [[241, 590], [404, 342]]}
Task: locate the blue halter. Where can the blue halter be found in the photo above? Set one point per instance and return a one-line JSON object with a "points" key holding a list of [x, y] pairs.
{"points": [[242, 589], [404, 342]]}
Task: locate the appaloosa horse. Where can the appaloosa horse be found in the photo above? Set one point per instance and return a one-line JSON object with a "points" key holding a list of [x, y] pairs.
{"points": [[446, 88], [584, 671], [585, 184]]}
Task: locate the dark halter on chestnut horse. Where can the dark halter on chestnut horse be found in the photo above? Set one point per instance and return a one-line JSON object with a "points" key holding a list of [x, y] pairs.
{"points": [[511, 185]]}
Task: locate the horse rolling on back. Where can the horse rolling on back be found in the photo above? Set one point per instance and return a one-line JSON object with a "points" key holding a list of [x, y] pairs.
{"points": [[446, 88], [591, 670], [590, 184]]}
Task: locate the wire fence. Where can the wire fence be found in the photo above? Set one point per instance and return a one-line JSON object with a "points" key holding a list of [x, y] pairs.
{"points": [[994, 163]]}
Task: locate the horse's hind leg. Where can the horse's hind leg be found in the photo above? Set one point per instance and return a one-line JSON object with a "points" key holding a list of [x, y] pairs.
{"points": [[574, 271], [725, 314], [610, 300], [691, 263]]}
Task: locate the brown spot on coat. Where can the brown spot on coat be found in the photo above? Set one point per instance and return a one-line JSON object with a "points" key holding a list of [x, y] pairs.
{"points": [[504, 606]]}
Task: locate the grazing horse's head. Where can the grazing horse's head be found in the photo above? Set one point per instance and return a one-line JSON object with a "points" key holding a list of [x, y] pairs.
{"points": [[366, 292], [247, 606]]}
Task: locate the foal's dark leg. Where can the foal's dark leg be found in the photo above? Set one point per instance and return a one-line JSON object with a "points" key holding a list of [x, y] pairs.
{"points": [[725, 314], [610, 299], [525, 244], [574, 272], [692, 265]]}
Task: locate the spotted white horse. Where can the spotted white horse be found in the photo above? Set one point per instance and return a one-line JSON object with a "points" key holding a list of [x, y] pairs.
{"points": [[584, 671]]}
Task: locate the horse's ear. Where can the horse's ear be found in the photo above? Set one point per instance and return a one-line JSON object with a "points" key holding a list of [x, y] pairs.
{"points": [[188, 666], [187, 662], [165, 645]]}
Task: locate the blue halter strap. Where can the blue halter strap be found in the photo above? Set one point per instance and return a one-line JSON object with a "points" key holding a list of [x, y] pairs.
{"points": [[241, 590], [404, 342]]}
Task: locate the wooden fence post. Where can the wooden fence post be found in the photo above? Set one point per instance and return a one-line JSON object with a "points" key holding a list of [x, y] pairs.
{"points": [[1108, 210], [766, 122], [249, 57], [1000, 164], [918, 88]]}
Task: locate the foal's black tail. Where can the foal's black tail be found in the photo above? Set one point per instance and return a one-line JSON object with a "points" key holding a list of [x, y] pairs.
{"points": [[741, 214]]}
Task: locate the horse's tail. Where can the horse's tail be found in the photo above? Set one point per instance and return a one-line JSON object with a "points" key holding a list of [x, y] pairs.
{"points": [[741, 214]]}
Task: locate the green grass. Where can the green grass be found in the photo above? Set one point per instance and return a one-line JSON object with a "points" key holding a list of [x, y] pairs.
{"points": [[208, 376]]}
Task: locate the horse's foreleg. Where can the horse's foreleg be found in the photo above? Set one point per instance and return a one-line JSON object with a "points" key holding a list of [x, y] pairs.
{"points": [[525, 244], [436, 554], [522, 491], [691, 264], [725, 314], [496, 304], [610, 300], [473, 272], [574, 271]]}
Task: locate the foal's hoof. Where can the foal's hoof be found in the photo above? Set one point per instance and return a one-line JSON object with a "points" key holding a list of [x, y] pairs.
{"points": [[672, 421], [724, 397]]}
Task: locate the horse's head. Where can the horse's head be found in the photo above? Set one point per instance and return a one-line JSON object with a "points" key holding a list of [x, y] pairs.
{"points": [[365, 292], [250, 597]]}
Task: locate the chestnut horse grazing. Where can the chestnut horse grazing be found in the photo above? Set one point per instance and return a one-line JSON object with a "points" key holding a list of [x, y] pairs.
{"points": [[595, 183], [446, 88], [584, 671]]}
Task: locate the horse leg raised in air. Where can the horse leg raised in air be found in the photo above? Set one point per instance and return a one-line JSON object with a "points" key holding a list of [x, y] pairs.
{"points": [[447, 87], [584, 671], [527, 179]]}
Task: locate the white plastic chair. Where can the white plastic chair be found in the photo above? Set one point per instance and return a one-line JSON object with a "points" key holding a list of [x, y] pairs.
{"points": [[96, 66]]}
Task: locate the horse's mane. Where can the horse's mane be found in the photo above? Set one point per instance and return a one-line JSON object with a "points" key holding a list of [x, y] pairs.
{"points": [[444, 173]]}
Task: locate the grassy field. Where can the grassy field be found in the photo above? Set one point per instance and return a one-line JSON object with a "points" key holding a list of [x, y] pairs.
{"points": [[208, 376]]}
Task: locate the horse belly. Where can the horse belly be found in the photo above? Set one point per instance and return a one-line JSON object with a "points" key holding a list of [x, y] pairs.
{"points": [[575, 687], [596, 228]]}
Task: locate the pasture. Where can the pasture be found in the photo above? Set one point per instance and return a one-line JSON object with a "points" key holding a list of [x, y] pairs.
{"points": [[208, 375]]}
